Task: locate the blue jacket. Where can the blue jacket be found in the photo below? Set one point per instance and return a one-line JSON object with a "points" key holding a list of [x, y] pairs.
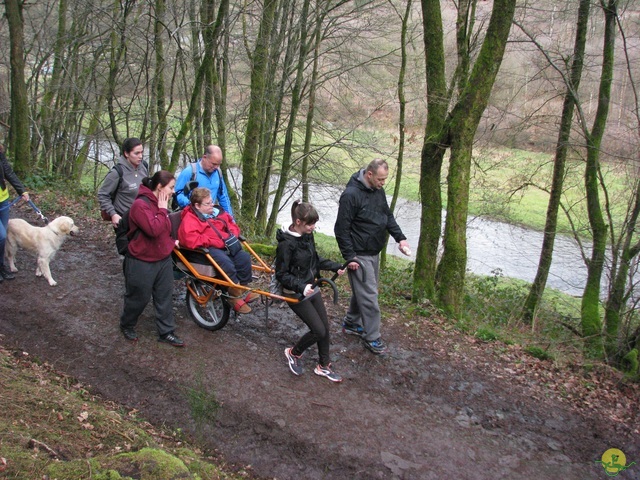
{"points": [[213, 181]]}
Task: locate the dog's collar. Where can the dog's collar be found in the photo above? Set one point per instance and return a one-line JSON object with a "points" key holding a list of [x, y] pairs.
{"points": [[49, 225]]}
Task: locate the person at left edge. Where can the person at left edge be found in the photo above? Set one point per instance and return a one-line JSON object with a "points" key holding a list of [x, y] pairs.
{"points": [[208, 175], [7, 175], [148, 268], [123, 192]]}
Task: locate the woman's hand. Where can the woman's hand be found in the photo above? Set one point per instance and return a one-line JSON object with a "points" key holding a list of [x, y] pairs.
{"points": [[308, 290], [341, 271], [25, 196], [115, 220], [163, 200]]}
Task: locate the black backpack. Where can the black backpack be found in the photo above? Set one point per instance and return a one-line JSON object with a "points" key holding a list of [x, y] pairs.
{"points": [[123, 236]]}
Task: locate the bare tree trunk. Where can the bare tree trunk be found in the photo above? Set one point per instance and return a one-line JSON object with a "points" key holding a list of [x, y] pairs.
{"points": [[47, 115], [562, 146], [159, 86], [296, 100], [219, 84], [194, 104], [433, 150], [618, 296], [208, 16], [464, 120], [590, 308], [19, 137], [283, 38], [313, 85], [252, 135], [402, 102]]}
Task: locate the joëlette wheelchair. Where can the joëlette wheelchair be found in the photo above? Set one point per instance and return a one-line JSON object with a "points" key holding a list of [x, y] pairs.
{"points": [[208, 285]]}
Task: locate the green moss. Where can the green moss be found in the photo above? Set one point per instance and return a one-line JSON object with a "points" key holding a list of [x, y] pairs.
{"points": [[145, 464], [630, 364], [538, 352], [486, 334]]}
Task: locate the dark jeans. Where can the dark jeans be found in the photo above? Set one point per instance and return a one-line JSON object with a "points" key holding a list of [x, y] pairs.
{"points": [[314, 314], [4, 220], [237, 268], [144, 280]]}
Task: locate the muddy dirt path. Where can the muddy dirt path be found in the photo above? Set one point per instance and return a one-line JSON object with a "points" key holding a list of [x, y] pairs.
{"points": [[418, 413]]}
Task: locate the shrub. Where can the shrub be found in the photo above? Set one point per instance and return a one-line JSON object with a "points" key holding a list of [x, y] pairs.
{"points": [[538, 353]]}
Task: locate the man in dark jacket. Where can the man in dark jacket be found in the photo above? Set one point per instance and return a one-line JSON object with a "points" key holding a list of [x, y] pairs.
{"points": [[364, 218]]}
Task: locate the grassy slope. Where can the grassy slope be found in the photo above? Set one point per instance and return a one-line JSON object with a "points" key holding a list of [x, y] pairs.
{"points": [[52, 427]]}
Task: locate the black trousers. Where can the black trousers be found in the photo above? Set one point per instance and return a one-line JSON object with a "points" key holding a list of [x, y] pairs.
{"points": [[314, 314], [144, 280]]}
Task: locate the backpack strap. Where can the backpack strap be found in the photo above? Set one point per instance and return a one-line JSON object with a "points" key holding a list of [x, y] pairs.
{"points": [[118, 168], [220, 183]]}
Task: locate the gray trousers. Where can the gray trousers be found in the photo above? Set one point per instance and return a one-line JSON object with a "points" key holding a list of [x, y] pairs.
{"points": [[144, 280], [363, 307]]}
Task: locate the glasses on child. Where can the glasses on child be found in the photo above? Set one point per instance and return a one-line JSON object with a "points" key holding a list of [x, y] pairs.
{"points": [[206, 204]]}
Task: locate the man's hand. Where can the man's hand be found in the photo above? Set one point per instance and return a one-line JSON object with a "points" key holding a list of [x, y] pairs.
{"points": [[353, 266], [404, 247]]}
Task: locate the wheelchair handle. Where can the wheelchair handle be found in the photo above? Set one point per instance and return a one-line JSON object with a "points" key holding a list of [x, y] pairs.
{"points": [[329, 282], [364, 272]]}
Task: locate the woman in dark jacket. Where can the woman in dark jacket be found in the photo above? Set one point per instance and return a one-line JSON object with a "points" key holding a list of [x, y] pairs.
{"points": [[297, 268], [148, 270], [7, 175]]}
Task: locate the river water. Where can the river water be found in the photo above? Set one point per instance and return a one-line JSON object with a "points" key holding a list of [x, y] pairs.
{"points": [[492, 247]]}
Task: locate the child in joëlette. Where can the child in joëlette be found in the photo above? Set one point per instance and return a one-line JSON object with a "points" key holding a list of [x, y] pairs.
{"points": [[297, 267]]}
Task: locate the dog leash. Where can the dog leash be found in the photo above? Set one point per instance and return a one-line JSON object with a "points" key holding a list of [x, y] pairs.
{"points": [[32, 205], [11, 204]]}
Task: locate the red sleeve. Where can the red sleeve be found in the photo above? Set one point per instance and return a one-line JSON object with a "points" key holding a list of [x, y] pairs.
{"points": [[153, 225], [195, 234]]}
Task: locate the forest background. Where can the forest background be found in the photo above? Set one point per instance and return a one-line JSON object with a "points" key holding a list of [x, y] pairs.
{"points": [[497, 106]]}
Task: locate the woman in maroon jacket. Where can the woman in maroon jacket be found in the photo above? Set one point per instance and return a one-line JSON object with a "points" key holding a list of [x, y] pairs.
{"points": [[148, 270], [204, 224]]}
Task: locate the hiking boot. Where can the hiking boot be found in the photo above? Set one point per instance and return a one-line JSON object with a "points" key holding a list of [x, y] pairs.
{"points": [[171, 339], [327, 372], [375, 346], [352, 329], [6, 274], [130, 334], [294, 362]]}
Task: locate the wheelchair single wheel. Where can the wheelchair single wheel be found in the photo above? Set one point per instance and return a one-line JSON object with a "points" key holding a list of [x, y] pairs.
{"points": [[212, 315]]}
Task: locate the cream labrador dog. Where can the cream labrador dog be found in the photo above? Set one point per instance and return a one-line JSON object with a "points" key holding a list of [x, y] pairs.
{"points": [[43, 241]]}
